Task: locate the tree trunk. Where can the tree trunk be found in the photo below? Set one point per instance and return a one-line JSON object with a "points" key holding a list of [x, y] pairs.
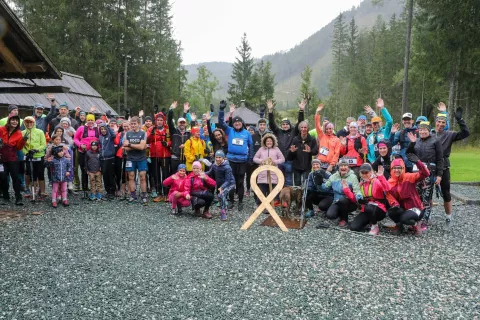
{"points": [[407, 57], [125, 83]]}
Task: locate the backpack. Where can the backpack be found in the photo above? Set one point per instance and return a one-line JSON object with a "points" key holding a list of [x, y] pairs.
{"points": [[85, 132], [357, 144]]}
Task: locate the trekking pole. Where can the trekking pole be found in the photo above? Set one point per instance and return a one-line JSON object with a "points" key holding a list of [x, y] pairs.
{"points": [[304, 198], [32, 183]]}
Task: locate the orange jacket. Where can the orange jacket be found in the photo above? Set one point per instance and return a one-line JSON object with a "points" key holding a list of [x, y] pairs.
{"points": [[11, 144], [328, 145]]}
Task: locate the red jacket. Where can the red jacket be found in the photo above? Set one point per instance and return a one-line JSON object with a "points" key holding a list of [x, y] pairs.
{"points": [[198, 183], [350, 151], [175, 185], [11, 144], [403, 188], [119, 142], [157, 149]]}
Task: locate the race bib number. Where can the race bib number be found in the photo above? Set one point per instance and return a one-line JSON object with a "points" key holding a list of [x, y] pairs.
{"points": [[372, 140], [375, 148], [351, 161], [237, 142], [1, 168], [323, 151], [415, 168], [128, 164]]}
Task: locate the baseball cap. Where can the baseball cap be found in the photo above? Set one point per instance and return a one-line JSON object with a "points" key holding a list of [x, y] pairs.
{"points": [[181, 120], [407, 115], [376, 119]]}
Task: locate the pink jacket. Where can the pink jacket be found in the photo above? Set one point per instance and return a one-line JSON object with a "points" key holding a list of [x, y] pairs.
{"points": [[198, 184], [92, 135], [263, 154], [175, 185]]}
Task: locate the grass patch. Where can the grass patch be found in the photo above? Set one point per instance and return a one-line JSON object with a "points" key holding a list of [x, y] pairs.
{"points": [[465, 164]]}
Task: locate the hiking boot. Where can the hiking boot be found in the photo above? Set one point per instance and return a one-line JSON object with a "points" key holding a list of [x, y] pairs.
{"points": [[309, 214], [375, 230], [145, 201], [223, 215], [173, 211], [276, 203], [240, 206], [92, 197], [207, 215], [179, 210], [398, 229], [342, 223], [198, 213], [19, 202], [154, 194], [54, 204], [157, 199], [65, 203], [132, 199]]}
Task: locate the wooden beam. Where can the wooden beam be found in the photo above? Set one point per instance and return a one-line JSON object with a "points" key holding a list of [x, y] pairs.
{"points": [[10, 59], [39, 67]]}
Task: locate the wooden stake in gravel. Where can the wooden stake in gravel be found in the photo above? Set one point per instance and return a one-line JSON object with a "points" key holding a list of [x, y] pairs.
{"points": [[265, 202]]}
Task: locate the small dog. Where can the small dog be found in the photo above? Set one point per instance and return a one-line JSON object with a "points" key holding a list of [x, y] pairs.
{"points": [[289, 195]]}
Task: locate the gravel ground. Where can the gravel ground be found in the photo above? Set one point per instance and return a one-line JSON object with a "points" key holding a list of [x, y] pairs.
{"points": [[111, 260], [467, 191]]}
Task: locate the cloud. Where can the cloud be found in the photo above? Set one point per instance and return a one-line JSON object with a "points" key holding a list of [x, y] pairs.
{"points": [[210, 30]]}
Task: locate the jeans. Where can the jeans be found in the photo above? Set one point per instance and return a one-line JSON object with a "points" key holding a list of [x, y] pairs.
{"points": [[286, 169]]}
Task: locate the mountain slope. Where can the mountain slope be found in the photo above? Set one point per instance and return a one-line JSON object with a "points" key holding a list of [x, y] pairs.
{"points": [[315, 51]]}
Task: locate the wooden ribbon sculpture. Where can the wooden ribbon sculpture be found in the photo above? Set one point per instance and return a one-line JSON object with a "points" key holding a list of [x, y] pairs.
{"points": [[266, 202]]}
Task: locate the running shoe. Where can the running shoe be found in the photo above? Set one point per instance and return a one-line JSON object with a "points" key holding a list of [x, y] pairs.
{"points": [[309, 214], [145, 201], [65, 203], [276, 203], [154, 194], [207, 215], [375, 230], [342, 223], [92, 197], [132, 199], [223, 215], [54, 204]]}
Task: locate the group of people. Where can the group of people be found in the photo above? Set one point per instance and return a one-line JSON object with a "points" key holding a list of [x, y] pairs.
{"points": [[377, 169]]}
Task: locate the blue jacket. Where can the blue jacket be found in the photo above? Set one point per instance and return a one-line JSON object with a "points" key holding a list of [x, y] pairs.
{"points": [[240, 143], [334, 183], [107, 146], [376, 137], [59, 167], [222, 174], [401, 138], [315, 181], [43, 121]]}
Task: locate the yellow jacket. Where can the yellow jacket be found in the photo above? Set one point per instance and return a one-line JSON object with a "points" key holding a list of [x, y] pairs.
{"points": [[194, 147]]}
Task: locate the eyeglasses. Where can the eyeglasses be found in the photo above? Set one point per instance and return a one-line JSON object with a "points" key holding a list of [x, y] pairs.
{"points": [[364, 172], [397, 168]]}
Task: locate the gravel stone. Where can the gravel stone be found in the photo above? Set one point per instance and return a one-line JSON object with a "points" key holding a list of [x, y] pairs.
{"points": [[466, 191], [111, 260]]}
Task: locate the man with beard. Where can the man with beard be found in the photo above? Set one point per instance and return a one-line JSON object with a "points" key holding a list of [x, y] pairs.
{"points": [[303, 148], [179, 136], [63, 112]]}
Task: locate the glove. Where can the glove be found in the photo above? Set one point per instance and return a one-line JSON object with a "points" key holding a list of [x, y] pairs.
{"points": [[362, 201], [211, 108], [262, 108], [155, 108], [31, 153], [109, 113], [412, 157], [223, 105], [459, 113], [164, 143], [318, 179]]}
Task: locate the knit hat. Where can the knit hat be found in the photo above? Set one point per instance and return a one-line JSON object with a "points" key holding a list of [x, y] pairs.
{"points": [[424, 125], [220, 153], [82, 113], [382, 143], [181, 166], [90, 117], [63, 105], [353, 124], [366, 167], [362, 117], [11, 108], [285, 120], [148, 118], [342, 162], [251, 128], [441, 116], [99, 122], [66, 119], [94, 143], [316, 161], [56, 150], [237, 119], [197, 164]]}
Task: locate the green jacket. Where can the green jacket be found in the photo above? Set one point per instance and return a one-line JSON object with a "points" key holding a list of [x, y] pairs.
{"points": [[36, 141], [335, 183]]}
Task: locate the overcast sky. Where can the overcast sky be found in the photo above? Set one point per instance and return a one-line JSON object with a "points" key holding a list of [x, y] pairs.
{"points": [[210, 30]]}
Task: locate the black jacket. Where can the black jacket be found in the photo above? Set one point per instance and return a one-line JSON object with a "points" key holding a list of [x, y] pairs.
{"points": [[429, 151], [178, 138], [447, 138], [285, 137], [303, 160]]}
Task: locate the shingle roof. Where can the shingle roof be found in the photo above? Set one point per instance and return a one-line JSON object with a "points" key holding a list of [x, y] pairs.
{"points": [[75, 91]]}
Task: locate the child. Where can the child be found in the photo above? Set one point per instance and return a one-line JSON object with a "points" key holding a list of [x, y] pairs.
{"points": [[197, 187], [61, 167], [176, 195], [92, 166], [194, 149], [222, 173]]}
